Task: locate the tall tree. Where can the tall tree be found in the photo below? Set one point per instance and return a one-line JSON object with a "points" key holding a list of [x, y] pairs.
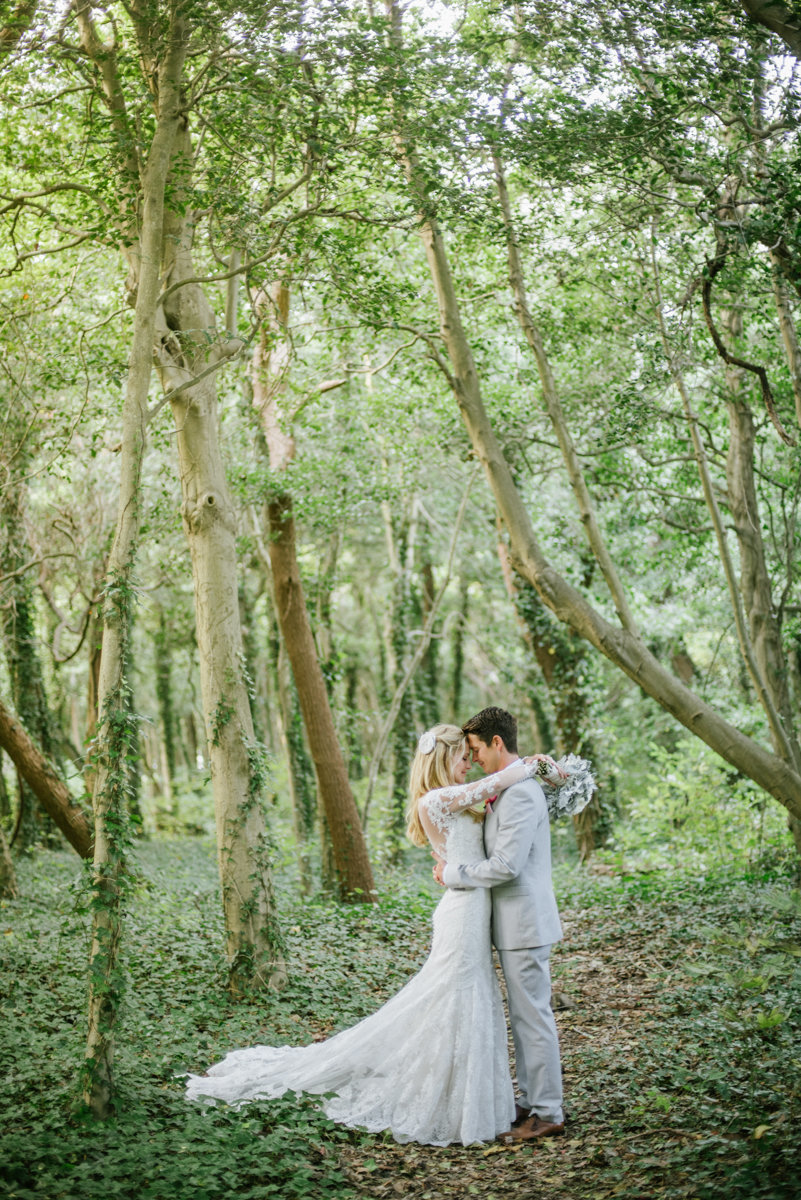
{"points": [[270, 368], [189, 352], [114, 732], [622, 644]]}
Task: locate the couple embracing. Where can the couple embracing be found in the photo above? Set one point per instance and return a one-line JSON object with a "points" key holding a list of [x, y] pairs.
{"points": [[431, 1065]]}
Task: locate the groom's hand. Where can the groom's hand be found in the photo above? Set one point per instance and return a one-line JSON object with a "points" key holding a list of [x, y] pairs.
{"points": [[439, 863]]}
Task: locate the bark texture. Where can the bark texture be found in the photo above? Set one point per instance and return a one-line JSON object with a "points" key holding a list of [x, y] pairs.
{"points": [[354, 877], [756, 588], [44, 781], [301, 783], [188, 346], [20, 643], [352, 864], [789, 333], [112, 739], [8, 878], [778, 18]]}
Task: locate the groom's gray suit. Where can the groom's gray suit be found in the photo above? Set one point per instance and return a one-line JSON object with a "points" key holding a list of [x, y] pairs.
{"points": [[525, 924]]}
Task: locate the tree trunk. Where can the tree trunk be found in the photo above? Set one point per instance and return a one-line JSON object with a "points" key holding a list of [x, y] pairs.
{"points": [[43, 780], [779, 19], [94, 641], [8, 878], [270, 366], [427, 693], [133, 784], [755, 583], [189, 344], [252, 660], [299, 768], [289, 731], [113, 735], [326, 650], [289, 728], [353, 716], [20, 643], [164, 699], [457, 647], [354, 876], [5, 799], [621, 646], [402, 733], [196, 760], [789, 335]]}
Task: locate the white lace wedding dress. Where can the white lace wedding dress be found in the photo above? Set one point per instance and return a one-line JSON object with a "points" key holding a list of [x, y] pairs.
{"points": [[432, 1064]]}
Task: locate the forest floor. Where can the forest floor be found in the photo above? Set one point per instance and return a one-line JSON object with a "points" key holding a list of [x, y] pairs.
{"points": [[675, 1080], [678, 1005]]}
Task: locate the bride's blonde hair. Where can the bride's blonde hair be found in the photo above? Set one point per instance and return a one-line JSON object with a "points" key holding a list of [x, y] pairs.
{"points": [[432, 769]]}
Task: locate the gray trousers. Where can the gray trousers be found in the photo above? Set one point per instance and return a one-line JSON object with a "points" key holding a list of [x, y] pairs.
{"points": [[539, 1072]]}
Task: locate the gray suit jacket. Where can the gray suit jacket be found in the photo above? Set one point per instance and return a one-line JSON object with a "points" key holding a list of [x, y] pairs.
{"points": [[517, 839]]}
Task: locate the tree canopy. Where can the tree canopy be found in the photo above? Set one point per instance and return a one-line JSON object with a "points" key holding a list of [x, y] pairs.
{"points": [[364, 365]]}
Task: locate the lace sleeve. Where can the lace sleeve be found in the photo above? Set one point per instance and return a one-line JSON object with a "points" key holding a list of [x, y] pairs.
{"points": [[441, 801]]}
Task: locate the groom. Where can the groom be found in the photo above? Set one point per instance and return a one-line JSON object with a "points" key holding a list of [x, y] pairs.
{"points": [[525, 920]]}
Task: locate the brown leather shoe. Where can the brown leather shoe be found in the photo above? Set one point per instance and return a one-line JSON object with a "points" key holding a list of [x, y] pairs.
{"points": [[534, 1127], [520, 1115]]}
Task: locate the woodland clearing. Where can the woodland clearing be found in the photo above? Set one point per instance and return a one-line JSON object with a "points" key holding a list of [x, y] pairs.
{"points": [[677, 1002]]}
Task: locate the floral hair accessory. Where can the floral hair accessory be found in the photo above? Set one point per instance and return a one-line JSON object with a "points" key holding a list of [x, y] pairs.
{"points": [[427, 742]]}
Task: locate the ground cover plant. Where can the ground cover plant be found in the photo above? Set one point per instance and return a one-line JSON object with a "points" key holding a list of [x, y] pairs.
{"points": [[679, 1012]]}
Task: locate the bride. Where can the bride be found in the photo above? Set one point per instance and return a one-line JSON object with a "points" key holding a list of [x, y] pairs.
{"points": [[432, 1064]]}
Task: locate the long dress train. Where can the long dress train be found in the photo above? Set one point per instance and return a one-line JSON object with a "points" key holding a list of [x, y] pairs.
{"points": [[431, 1065]]}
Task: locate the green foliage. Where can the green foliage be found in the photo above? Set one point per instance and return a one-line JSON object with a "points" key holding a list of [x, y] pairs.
{"points": [[220, 718], [161, 1149], [688, 807], [617, 127], [177, 1016], [680, 1050], [693, 1063]]}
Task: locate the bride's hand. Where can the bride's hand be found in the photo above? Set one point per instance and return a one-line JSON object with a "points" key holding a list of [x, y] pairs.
{"points": [[551, 767]]}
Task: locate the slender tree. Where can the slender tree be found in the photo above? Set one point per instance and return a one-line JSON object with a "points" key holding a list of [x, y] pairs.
{"points": [[269, 375], [622, 644], [114, 734], [180, 325]]}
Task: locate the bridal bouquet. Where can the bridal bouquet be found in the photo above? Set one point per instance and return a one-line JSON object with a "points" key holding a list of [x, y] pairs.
{"points": [[569, 784]]}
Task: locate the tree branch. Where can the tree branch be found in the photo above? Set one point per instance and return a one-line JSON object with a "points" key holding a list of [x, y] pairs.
{"points": [[778, 18], [45, 783], [781, 737], [24, 197], [222, 361], [714, 268], [34, 562]]}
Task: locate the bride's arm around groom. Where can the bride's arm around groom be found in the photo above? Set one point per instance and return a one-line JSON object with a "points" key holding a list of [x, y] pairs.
{"points": [[525, 919]]}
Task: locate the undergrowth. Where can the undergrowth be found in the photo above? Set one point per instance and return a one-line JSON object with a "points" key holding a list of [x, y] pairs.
{"points": [[680, 1021]]}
